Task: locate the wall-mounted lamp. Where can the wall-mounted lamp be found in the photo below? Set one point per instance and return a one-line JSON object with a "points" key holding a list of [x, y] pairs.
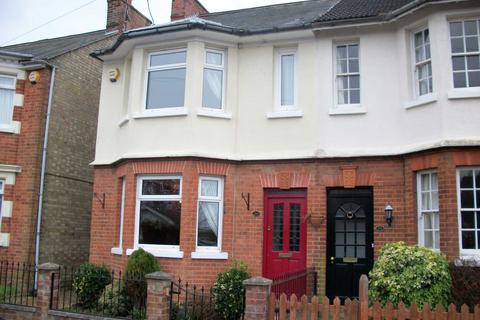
{"points": [[389, 214]]}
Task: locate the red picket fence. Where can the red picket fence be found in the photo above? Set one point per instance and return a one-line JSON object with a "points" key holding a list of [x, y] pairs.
{"points": [[303, 309]]}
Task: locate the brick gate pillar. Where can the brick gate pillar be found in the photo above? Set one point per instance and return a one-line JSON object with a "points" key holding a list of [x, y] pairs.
{"points": [[158, 295], [45, 291], [257, 293]]}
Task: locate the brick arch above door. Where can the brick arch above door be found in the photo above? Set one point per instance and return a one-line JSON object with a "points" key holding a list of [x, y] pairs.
{"points": [[285, 180]]}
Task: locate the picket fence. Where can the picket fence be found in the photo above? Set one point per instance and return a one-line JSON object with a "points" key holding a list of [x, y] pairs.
{"points": [[359, 309]]}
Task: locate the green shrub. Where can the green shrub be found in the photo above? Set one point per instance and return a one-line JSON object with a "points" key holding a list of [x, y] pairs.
{"points": [[139, 264], [228, 292], [88, 283], [6, 291], [410, 274]]}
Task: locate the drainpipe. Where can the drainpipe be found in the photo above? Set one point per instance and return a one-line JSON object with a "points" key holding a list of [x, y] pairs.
{"points": [[42, 174]]}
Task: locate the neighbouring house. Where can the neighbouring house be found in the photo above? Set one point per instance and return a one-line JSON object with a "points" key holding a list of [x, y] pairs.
{"points": [[297, 135], [49, 92]]}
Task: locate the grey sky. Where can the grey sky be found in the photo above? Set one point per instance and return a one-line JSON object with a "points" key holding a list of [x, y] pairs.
{"points": [[20, 16]]}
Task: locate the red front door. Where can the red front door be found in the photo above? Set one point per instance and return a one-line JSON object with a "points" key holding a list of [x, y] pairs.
{"points": [[285, 233]]}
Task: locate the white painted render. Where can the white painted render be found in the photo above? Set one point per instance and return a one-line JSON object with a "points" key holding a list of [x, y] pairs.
{"points": [[394, 122]]}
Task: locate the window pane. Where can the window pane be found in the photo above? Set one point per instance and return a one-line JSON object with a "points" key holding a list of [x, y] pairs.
{"points": [[468, 239], [350, 238], [434, 178], [214, 58], [474, 79], [7, 82], [437, 240], [209, 188], [468, 220], [434, 200], [6, 105], [457, 45], [339, 251], [353, 51], [353, 65], [427, 221], [350, 251], [277, 227], [342, 66], [456, 29], [212, 88], [361, 252], [360, 238], [354, 82], [466, 199], [339, 238], [477, 178], [471, 44], [160, 222], [354, 96], [473, 62], [341, 52], [361, 226], [428, 239], [459, 80], [287, 79], [427, 51], [161, 187], [208, 213], [294, 227], [419, 54], [426, 201], [166, 88], [168, 58], [458, 63], [350, 225], [466, 179], [471, 28], [418, 39], [342, 82], [425, 182]]}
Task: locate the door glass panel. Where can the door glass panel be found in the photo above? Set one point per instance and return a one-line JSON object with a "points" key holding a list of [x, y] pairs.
{"points": [[294, 227], [360, 238], [361, 226], [350, 251], [339, 225], [350, 225], [361, 252], [339, 251], [350, 238], [278, 227], [340, 238]]}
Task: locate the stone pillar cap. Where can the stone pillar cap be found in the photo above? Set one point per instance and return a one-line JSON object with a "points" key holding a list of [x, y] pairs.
{"points": [[159, 275], [257, 281], [49, 266]]}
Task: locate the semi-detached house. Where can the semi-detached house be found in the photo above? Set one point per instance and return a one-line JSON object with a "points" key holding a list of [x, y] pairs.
{"points": [[297, 135]]}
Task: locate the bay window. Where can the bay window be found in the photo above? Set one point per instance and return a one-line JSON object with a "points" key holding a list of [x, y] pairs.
{"points": [[468, 185], [166, 74], [423, 63], [428, 213], [7, 93], [159, 214], [465, 43], [214, 80]]}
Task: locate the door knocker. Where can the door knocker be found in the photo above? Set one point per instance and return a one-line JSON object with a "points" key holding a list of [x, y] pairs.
{"points": [[349, 215]]}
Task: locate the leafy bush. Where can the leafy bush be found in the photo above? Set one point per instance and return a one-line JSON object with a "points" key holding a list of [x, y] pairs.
{"points": [[228, 292], [465, 285], [6, 291], [88, 283], [410, 274], [139, 264]]}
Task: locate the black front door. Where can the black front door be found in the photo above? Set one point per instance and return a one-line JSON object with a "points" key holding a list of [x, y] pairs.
{"points": [[349, 240]]}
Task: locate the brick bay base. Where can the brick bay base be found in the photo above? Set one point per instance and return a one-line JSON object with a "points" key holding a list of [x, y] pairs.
{"points": [[393, 180]]}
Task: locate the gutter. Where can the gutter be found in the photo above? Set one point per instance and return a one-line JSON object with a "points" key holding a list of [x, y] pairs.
{"points": [[42, 174]]}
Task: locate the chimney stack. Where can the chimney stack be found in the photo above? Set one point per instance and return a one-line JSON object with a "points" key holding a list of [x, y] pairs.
{"points": [[186, 8], [122, 16]]}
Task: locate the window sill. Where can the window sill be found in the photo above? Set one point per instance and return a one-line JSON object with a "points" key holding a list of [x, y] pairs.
{"points": [[160, 253], [464, 93], [421, 101], [214, 114], [117, 251], [285, 114], [210, 255], [167, 112], [347, 109], [14, 127]]}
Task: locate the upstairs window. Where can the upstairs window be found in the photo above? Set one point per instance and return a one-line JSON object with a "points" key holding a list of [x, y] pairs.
{"points": [[214, 79], [347, 75], [469, 210], [286, 79], [166, 79], [7, 92], [465, 38], [428, 217], [423, 63], [159, 212], [210, 213]]}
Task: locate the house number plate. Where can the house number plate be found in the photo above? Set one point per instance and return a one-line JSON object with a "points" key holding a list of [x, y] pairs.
{"points": [[285, 255], [350, 260]]}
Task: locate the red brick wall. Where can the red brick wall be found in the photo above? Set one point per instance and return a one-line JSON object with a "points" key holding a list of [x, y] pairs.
{"points": [[185, 8], [122, 16], [392, 178], [24, 150]]}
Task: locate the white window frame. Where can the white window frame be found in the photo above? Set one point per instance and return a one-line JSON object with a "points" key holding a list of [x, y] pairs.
{"points": [[167, 251], [13, 88], [2, 193], [167, 110], [346, 106], [278, 79], [417, 65], [218, 68], [467, 252], [119, 249], [203, 252], [420, 211], [463, 54]]}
